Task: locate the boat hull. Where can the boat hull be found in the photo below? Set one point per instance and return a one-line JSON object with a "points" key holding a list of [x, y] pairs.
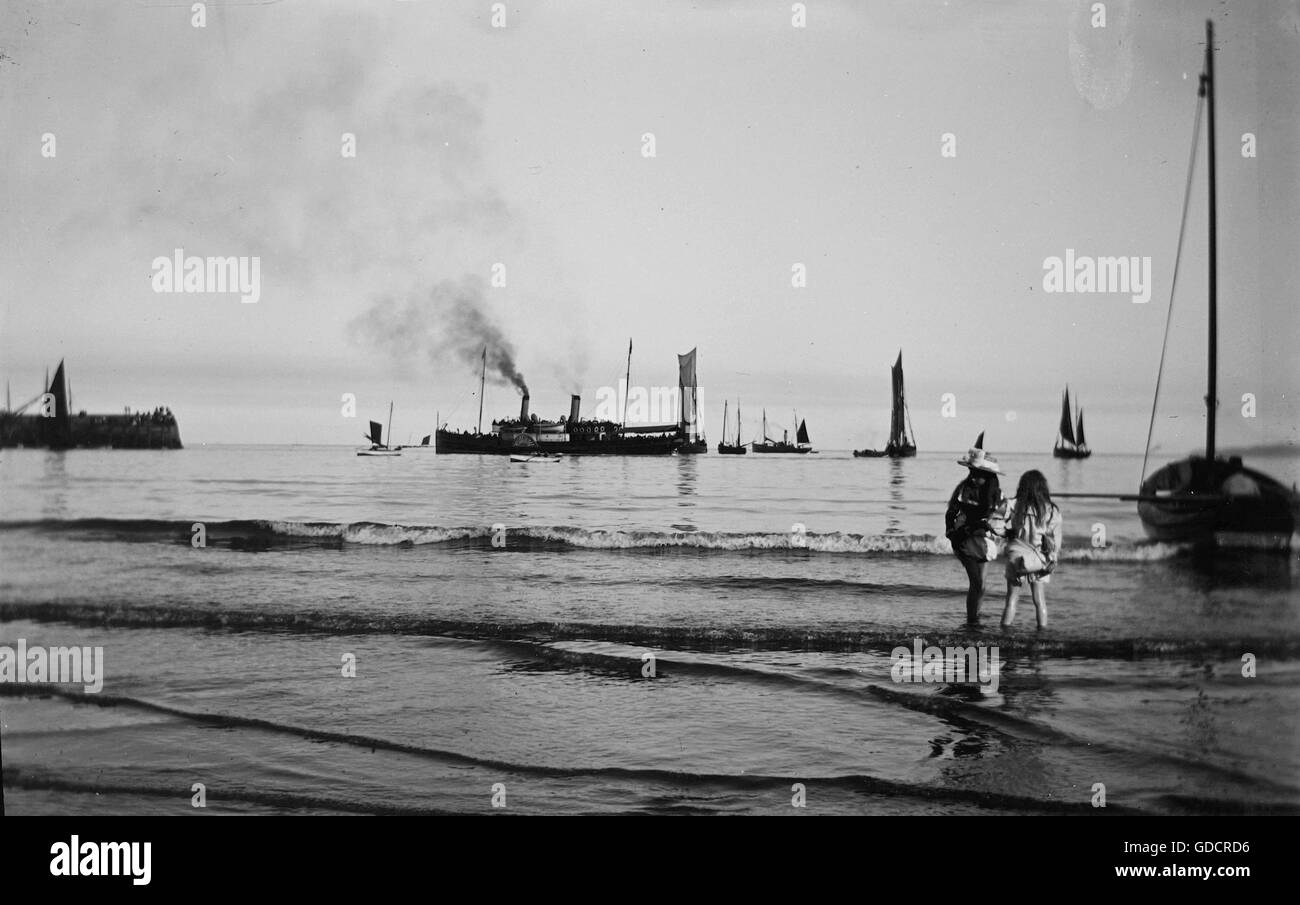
{"points": [[452, 442], [779, 448], [1222, 504], [725, 450], [905, 452], [1064, 452]]}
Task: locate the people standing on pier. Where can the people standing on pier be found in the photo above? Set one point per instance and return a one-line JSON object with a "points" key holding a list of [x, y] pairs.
{"points": [[1033, 545], [975, 520]]}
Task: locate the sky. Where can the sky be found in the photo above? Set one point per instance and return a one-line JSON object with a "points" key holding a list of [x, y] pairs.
{"points": [[525, 146]]}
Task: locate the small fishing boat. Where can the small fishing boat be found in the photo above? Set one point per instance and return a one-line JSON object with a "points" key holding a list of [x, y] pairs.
{"points": [[376, 438], [1070, 443], [801, 446], [1208, 500], [731, 449], [900, 422]]}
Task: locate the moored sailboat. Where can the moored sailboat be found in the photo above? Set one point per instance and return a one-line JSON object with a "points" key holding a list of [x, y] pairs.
{"points": [[730, 449], [1206, 499], [688, 392], [1070, 443], [801, 446], [900, 422]]}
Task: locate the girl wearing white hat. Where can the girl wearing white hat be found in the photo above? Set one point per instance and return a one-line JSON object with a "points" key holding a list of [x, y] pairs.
{"points": [[975, 519]]}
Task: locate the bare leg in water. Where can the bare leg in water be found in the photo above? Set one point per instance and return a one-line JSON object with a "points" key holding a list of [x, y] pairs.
{"points": [[1009, 611], [1039, 592], [975, 574]]}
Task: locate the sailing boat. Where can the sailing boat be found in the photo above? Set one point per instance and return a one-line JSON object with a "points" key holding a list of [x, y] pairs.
{"points": [[689, 391], [1204, 499], [1070, 443], [725, 448], [802, 446], [424, 444], [900, 422], [376, 438]]}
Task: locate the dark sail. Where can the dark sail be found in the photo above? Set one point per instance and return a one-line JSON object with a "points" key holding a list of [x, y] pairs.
{"points": [[979, 441], [898, 442], [427, 438], [1070, 444], [802, 435], [687, 387], [376, 433], [1067, 432], [57, 431]]}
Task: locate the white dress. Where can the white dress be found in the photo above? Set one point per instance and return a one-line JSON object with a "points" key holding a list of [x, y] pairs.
{"points": [[1035, 546]]}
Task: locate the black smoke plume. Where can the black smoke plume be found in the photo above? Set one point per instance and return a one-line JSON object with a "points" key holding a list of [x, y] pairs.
{"points": [[451, 319]]}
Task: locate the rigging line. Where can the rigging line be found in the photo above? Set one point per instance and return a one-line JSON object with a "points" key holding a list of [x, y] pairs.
{"points": [[1169, 316], [456, 408]]}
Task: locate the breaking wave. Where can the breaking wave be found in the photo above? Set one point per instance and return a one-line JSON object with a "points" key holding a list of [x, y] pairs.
{"points": [[257, 534]]}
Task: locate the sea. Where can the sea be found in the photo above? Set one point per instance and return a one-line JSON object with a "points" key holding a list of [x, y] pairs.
{"points": [[296, 629]]}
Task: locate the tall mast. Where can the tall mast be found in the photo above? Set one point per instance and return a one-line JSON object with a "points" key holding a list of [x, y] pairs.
{"points": [[724, 421], [1207, 86], [695, 411], [627, 381], [482, 382], [737, 421], [389, 433]]}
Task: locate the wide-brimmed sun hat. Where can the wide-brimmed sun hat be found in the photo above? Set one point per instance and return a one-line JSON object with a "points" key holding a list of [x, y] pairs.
{"points": [[978, 458]]}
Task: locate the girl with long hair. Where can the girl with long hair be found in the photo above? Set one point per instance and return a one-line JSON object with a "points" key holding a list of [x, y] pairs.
{"points": [[1033, 545]]}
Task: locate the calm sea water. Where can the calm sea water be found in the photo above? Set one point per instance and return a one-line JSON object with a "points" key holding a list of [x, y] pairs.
{"points": [[522, 668]]}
